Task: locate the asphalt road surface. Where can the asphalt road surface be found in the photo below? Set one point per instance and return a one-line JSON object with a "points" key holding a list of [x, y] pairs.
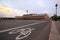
{"points": [[25, 30]]}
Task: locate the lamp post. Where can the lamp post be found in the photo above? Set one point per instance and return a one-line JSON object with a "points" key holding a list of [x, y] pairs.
{"points": [[56, 10], [26, 16], [27, 11]]}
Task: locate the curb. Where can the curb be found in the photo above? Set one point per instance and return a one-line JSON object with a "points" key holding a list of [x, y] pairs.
{"points": [[54, 34]]}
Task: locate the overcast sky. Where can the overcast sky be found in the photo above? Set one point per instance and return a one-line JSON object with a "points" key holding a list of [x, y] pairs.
{"points": [[19, 7]]}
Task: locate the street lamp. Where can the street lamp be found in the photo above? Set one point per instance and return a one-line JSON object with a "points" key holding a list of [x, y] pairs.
{"points": [[56, 10], [27, 11]]}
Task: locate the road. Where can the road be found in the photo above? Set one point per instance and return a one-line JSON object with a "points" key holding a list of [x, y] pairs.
{"points": [[25, 30]]}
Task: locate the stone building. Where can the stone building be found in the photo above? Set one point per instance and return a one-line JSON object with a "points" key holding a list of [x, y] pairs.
{"points": [[34, 17]]}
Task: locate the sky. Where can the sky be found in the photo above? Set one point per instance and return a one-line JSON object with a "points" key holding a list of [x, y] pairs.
{"points": [[12, 8]]}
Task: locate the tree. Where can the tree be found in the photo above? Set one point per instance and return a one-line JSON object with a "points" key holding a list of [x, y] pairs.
{"points": [[54, 17]]}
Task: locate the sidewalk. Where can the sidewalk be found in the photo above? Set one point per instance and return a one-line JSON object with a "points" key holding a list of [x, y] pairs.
{"points": [[54, 34]]}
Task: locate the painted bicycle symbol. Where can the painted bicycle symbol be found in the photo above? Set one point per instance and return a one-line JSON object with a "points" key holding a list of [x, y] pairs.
{"points": [[24, 32]]}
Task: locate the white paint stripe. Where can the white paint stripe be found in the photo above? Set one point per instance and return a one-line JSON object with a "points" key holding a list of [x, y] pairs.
{"points": [[18, 37], [20, 27], [19, 30], [24, 33]]}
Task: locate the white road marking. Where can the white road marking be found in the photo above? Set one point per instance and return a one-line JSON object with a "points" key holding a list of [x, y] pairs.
{"points": [[19, 27], [19, 30], [18, 37], [25, 33], [15, 31]]}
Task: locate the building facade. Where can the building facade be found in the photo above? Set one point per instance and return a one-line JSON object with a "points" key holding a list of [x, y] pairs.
{"points": [[34, 17]]}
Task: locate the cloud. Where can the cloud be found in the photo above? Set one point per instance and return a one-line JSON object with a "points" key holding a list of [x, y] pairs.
{"points": [[9, 12], [5, 9], [40, 3]]}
